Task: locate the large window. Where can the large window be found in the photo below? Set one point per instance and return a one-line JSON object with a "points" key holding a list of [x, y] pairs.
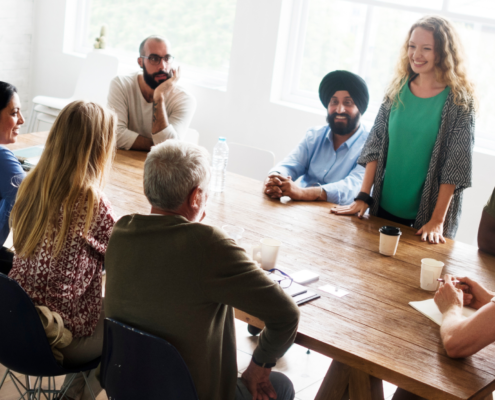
{"points": [[200, 31], [364, 36]]}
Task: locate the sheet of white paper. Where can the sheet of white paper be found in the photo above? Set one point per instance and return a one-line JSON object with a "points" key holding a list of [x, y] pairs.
{"points": [[429, 309], [336, 291]]}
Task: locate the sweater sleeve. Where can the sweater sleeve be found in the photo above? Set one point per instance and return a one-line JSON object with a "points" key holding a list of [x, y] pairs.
{"points": [[11, 176], [180, 112], [119, 102], [458, 167], [374, 143], [236, 281]]}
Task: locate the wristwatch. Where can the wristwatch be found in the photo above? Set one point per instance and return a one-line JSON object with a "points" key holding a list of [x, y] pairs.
{"points": [[264, 365], [366, 198]]}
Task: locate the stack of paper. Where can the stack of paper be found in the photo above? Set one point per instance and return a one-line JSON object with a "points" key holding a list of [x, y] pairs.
{"points": [[429, 309], [29, 156]]}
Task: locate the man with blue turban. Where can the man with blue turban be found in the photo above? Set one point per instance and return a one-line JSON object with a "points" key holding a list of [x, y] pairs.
{"points": [[326, 157]]}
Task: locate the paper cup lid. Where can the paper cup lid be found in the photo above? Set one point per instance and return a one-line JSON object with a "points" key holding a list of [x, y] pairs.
{"points": [[390, 231]]}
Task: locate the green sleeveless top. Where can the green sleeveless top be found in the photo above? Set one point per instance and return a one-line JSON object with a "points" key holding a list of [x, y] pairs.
{"points": [[413, 127]]}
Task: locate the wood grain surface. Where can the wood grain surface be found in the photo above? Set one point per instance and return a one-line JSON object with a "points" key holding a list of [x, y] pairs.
{"points": [[372, 329]]}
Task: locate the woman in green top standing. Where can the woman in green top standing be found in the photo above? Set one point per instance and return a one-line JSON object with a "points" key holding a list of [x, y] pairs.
{"points": [[418, 156]]}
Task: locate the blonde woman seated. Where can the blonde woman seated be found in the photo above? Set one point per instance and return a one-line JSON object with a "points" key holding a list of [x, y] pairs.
{"points": [[61, 225]]}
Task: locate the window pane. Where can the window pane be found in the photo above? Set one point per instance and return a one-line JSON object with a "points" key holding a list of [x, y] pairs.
{"points": [[389, 29], [433, 4], [200, 31], [477, 8], [478, 42], [333, 40]]}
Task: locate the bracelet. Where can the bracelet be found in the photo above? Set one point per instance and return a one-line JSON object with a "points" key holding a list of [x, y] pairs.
{"points": [[321, 191], [263, 365], [366, 198]]}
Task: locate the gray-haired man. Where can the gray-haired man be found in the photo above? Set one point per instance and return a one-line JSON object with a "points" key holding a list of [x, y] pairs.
{"points": [[172, 276], [151, 107]]}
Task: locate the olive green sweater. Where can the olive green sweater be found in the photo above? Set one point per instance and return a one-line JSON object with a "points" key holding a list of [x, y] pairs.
{"points": [[179, 280]]}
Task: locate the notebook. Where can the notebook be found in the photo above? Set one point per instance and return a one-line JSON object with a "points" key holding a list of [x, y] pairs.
{"points": [[429, 309], [29, 156]]}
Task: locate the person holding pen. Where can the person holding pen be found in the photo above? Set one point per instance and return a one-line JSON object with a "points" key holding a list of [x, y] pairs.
{"points": [[418, 156], [464, 337]]}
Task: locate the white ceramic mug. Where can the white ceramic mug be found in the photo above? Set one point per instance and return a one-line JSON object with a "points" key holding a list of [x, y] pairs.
{"points": [[430, 271], [266, 252]]}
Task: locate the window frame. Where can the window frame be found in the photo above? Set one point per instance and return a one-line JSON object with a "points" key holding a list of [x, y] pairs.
{"points": [[76, 32], [291, 94]]}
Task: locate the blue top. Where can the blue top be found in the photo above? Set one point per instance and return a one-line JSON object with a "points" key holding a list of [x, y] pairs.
{"points": [[11, 175], [317, 162]]}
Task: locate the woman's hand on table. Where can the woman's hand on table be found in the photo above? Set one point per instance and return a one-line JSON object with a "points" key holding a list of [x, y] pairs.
{"points": [[358, 207], [475, 295], [448, 297], [432, 232]]}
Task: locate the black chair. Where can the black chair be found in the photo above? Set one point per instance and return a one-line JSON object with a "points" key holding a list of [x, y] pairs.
{"points": [[137, 365], [24, 347]]}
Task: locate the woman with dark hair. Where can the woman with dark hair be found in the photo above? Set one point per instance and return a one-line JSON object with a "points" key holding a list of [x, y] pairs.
{"points": [[11, 173]]}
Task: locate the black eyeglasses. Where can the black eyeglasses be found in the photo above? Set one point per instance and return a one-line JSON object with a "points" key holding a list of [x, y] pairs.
{"points": [[155, 59], [285, 281]]}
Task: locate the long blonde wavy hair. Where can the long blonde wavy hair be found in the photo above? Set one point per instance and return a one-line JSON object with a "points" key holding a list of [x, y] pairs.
{"points": [[78, 154], [450, 68]]}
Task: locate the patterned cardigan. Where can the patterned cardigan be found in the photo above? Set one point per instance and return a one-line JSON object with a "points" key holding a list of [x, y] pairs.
{"points": [[451, 161]]}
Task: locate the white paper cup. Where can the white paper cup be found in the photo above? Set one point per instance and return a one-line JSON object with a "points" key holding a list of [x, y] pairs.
{"points": [[235, 232], [266, 252], [389, 240], [430, 271]]}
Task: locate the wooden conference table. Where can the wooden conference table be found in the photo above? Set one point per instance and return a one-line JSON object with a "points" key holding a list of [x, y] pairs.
{"points": [[372, 333]]}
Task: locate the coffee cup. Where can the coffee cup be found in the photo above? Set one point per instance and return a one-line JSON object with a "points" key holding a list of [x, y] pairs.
{"points": [[389, 240], [235, 232], [266, 252], [431, 270]]}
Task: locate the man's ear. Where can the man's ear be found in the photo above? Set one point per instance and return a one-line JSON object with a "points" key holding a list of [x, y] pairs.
{"points": [[195, 198], [140, 62]]}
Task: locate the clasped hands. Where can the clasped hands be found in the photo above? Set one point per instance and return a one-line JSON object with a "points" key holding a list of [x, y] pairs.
{"points": [[452, 297], [276, 186]]}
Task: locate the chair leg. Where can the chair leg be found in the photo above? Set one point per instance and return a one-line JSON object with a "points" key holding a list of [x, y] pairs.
{"points": [[89, 387], [4, 377], [32, 118]]}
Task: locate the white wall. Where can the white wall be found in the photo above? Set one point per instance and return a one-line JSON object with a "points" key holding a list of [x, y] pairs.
{"points": [[16, 44], [244, 112]]}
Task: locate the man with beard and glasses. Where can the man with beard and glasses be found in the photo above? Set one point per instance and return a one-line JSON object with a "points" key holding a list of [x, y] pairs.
{"points": [[326, 158], [151, 107]]}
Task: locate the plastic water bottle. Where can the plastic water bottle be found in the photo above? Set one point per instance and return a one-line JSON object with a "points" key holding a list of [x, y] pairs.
{"points": [[219, 165]]}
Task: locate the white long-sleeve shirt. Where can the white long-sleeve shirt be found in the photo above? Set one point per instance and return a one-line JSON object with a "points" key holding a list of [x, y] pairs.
{"points": [[135, 114]]}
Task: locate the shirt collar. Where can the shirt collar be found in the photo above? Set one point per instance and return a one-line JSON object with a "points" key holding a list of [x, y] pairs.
{"points": [[349, 142]]}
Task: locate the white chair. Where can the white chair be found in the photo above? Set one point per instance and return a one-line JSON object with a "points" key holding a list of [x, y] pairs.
{"points": [[191, 136], [42, 117], [92, 84], [250, 161]]}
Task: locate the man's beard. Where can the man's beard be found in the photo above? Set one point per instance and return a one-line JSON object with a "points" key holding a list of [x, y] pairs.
{"points": [[150, 78], [340, 128]]}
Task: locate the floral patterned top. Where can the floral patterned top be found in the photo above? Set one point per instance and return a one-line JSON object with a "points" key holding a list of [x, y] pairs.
{"points": [[71, 283]]}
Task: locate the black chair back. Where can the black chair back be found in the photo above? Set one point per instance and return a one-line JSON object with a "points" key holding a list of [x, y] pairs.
{"points": [[137, 365], [24, 346]]}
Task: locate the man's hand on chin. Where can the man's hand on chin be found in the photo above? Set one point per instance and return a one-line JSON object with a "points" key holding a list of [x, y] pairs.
{"points": [[167, 85], [257, 381]]}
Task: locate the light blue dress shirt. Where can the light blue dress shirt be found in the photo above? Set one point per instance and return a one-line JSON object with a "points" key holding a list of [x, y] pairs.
{"points": [[316, 161]]}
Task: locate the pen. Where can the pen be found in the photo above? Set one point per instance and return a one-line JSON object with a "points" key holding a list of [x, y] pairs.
{"points": [[455, 282]]}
